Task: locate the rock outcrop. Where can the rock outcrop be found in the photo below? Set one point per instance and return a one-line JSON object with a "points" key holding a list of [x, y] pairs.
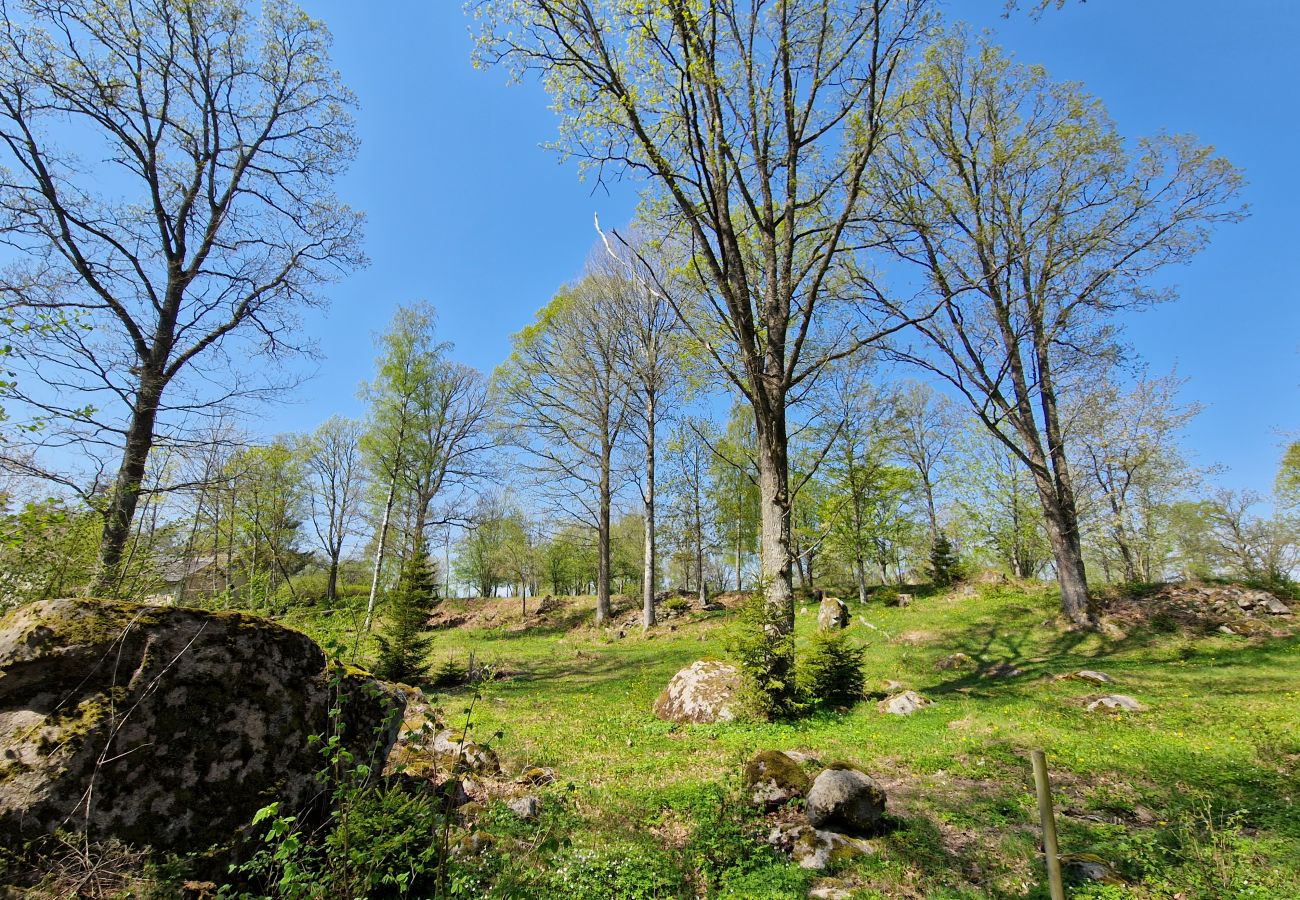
{"points": [[169, 727], [704, 691]]}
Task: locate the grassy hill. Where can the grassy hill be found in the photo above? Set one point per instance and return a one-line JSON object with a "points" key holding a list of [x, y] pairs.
{"points": [[1197, 796]]}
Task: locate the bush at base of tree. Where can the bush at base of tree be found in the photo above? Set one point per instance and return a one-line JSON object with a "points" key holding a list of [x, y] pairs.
{"points": [[945, 565], [765, 653], [402, 646], [830, 671]]}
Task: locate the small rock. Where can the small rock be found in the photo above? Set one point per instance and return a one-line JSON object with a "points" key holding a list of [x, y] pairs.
{"points": [[1276, 607], [902, 601], [811, 848], [833, 614], [904, 704], [536, 775], [808, 759], [1224, 629], [955, 661], [772, 779], [1088, 867], [830, 891], [892, 687], [1117, 702], [845, 799], [1093, 676], [526, 807]]}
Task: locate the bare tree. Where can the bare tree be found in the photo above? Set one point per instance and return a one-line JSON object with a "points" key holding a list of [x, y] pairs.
{"points": [[650, 359], [564, 401], [333, 461], [755, 123], [208, 223], [1021, 208]]}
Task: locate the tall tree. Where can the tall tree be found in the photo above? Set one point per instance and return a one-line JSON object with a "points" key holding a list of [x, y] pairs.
{"points": [[207, 223], [755, 123], [1023, 210], [650, 357], [429, 425], [332, 456], [688, 464], [925, 431], [565, 402]]}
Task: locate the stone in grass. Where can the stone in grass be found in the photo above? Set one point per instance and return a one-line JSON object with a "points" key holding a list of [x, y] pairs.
{"points": [[832, 615], [705, 691], [526, 807], [536, 775], [1088, 867], [955, 661], [772, 779], [1092, 676], [1116, 702], [904, 704], [816, 849], [845, 799]]}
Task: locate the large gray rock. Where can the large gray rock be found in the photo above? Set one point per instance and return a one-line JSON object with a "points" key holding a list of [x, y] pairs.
{"points": [[169, 727], [904, 704], [832, 614], [845, 799], [704, 691], [1117, 703]]}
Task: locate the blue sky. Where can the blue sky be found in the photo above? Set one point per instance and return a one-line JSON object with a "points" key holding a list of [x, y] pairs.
{"points": [[467, 210]]}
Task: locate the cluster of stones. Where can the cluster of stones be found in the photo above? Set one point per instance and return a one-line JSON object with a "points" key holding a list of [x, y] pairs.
{"points": [[842, 807]]}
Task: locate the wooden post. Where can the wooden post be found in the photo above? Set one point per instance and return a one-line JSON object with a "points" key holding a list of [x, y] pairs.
{"points": [[1050, 848]]}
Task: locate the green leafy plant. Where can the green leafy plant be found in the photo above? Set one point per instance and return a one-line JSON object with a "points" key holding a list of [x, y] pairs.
{"points": [[830, 670]]}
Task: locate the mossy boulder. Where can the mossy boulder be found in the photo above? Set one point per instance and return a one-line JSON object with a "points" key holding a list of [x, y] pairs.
{"points": [[773, 779], [704, 691], [169, 727], [833, 614]]}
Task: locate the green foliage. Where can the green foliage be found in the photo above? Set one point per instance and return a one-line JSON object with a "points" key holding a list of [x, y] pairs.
{"points": [[726, 853], [677, 604], [945, 565], [402, 646], [450, 673], [638, 870], [765, 652], [1287, 485], [830, 671], [47, 549]]}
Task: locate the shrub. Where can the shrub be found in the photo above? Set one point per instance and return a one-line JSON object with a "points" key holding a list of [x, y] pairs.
{"points": [[765, 654], [830, 672], [450, 674], [402, 647], [677, 604]]}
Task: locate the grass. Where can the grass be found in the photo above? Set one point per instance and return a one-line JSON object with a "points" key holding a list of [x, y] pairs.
{"points": [[1196, 797]]}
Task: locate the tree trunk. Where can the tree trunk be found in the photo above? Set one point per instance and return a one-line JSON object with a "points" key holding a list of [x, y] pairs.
{"points": [[774, 507], [699, 547], [379, 554], [648, 576], [602, 526], [332, 586], [1067, 553], [125, 495]]}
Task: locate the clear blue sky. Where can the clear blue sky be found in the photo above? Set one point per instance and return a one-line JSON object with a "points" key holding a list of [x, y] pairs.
{"points": [[467, 210]]}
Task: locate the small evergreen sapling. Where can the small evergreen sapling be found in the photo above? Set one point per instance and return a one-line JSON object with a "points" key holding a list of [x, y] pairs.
{"points": [[402, 647], [945, 566]]}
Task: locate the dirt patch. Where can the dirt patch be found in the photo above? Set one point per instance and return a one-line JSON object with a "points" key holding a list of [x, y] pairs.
{"points": [[917, 636]]}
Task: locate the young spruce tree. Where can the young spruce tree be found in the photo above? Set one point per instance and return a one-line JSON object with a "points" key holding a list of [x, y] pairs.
{"points": [[401, 647]]}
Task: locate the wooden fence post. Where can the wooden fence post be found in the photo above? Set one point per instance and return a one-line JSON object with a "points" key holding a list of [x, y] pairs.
{"points": [[1050, 848]]}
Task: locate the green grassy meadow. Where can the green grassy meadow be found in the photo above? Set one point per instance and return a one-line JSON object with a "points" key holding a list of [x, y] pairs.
{"points": [[1196, 797]]}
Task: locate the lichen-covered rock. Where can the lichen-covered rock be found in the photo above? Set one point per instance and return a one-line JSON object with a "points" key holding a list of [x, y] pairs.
{"points": [[1093, 676], [526, 807], [833, 614], [904, 704], [812, 848], [169, 727], [843, 798], [454, 752], [704, 691], [956, 660], [773, 779], [1116, 703], [536, 775]]}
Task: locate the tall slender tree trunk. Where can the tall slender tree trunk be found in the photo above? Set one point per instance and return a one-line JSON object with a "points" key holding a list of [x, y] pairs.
{"points": [[127, 485], [332, 586], [603, 611], [699, 544], [648, 576], [379, 553]]}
